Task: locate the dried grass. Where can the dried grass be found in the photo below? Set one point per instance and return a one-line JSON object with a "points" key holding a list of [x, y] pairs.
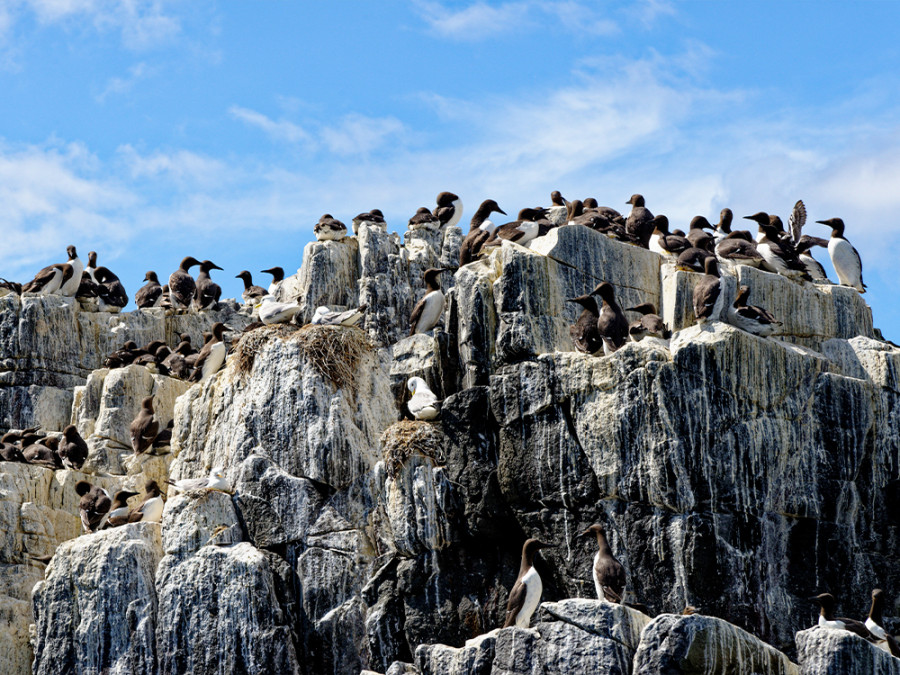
{"points": [[406, 438], [334, 351], [252, 341]]}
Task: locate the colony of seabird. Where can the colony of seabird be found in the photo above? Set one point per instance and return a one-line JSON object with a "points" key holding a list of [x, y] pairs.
{"points": [[601, 328]]}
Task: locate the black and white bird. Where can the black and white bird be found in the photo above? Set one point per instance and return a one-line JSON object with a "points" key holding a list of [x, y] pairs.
{"points": [[423, 404], [875, 624], [251, 294], [480, 229], [110, 291], [707, 290], [325, 317], [71, 283], [751, 318], [697, 234], [845, 258], [150, 510], [73, 451], [211, 357], [522, 230], [94, 505], [428, 310], [91, 266], [693, 259], [9, 287], [181, 284], [827, 619], [374, 217], [150, 294], [208, 292], [277, 277], [804, 251], [607, 572], [775, 249], [525, 595], [735, 249], [649, 325], [665, 243], [611, 324], [118, 512], [329, 228], [449, 209], [144, 427], [424, 220], [585, 335], [48, 280]]}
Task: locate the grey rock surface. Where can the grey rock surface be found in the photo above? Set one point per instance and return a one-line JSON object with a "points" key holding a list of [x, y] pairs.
{"points": [[821, 651]]}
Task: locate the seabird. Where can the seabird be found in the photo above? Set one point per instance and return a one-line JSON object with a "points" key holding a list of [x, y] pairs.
{"points": [[697, 236], [423, 404], [71, 282], [271, 311], [329, 228], [875, 624], [215, 481], [91, 266], [480, 229], [164, 437], [640, 214], [827, 619], [797, 220], [707, 290], [277, 277], [608, 573], [424, 219], [650, 324], [110, 291], [750, 318], [525, 595], [144, 427], [150, 294], [118, 512], [122, 357], [251, 294], [693, 259], [207, 293], [94, 505], [804, 252], [41, 451], [584, 333], [373, 217], [325, 317], [522, 230], [175, 362], [449, 209], [577, 215], [611, 324], [181, 284], [778, 253], [72, 450], [151, 509], [663, 241], [845, 258], [558, 210], [723, 227], [9, 452], [212, 357], [9, 287], [428, 310], [734, 249], [48, 280]]}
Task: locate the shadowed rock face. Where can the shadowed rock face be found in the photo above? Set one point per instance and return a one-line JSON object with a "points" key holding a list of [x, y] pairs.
{"points": [[735, 473]]}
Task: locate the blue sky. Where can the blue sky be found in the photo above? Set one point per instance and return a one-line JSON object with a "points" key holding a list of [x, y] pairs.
{"points": [[149, 130]]}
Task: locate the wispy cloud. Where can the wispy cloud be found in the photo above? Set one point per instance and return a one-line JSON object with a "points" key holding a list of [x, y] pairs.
{"points": [[123, 85], [280, 130], [474, 22], [186, 170]]}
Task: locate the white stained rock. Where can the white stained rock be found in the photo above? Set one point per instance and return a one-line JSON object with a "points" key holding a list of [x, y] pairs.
{"points": [[824, 651], [328, 276], [199, 518]]}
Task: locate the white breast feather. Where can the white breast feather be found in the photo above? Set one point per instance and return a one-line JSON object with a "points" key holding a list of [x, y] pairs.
{"points": [[434, 307], [846, 262], [533, 589]]}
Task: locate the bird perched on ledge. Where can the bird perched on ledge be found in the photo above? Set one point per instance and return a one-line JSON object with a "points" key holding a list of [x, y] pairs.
{"points": [[423, 405], [607, 572], [428, 310], [525, 595]]}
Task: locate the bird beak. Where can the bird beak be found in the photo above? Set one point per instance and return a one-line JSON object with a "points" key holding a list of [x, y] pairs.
{"points": [[216, 267], [501, 211], [823, 222]]}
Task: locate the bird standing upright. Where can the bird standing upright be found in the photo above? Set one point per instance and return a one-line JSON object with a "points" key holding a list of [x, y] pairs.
{"points": [[607, 572], [525, 595]]}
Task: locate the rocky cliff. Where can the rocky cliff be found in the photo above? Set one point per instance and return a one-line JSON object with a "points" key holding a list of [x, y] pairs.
{"points": [[734, 473]]}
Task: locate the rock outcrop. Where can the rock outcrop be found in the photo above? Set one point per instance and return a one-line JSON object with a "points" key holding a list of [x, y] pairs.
{"points": [[735, 473]]}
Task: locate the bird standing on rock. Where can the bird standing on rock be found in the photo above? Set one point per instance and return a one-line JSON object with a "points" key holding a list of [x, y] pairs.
{"points": [[751, 318], [151, 509], [584, 332], [423, 405], [611, 324], [525, 595], [428, 310], [449, 209], [144, 427], [707, 290], [480, 229], [875, 624], [649, 325], [212, 357], [607, 572], [73, 450], [181, 284], [118, 513], [208, 292], [329, 228], [251, 294], [94, 505], [845, 258], [277, 277], [150, 294], [827, 619]]}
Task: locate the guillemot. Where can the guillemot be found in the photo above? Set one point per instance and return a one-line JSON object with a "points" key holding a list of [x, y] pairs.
{"points": [[611, 324], [778, 254], [110, 290], [424, 220], [751, 318], [697, 236], [251, 294], [525, 595], [91, 266], [664, 242], [827, 619], [373, 217], [649, 325], [735, 249], [151, 508], [208, 292], [707, 290], [277, 277], [428, 310], [480, 229], [522, 230], [48, 280], [150, 294], [639, 215], [557, 212], [212, 357], [804, 252], [607, 572], [424, 404], [584, 333], [181, 284], [118, 512], [144, 427], [845, 259], [71, 283], [325, 317], [94, 505], [875, 624], [72, 449], [215, 481], [329, 228], [693, 259], [449, 209]]}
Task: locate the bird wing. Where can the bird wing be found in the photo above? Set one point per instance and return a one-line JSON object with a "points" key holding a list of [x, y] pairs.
{"points": [[797, 220], [706, 292], [416, 315], [515, 603], [41, 279], [147, 295]]}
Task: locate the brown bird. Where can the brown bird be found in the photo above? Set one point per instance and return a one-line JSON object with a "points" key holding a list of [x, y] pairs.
{"points": [[480, 229], [207, 292], [584, 333], [707, 290], [525, 595], [144, 427], [94, 505], [181, 284], [650, 324], [118, 512], [875, 623], [73, 450], [608, 573], [151, 509], [611, 324]]}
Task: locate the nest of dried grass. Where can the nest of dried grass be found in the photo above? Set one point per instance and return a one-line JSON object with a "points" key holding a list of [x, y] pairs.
{"points": [[406, 438], [334, 351], [251, 342]]}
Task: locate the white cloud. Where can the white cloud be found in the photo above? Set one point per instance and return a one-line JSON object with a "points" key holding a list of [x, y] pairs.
{"points": [[280, 130], [122, 85], [475, 22], [358, 134], [185, 169]]}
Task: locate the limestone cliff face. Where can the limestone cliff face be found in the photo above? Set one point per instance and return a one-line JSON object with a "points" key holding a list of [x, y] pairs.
{"points": [[734, 473]]}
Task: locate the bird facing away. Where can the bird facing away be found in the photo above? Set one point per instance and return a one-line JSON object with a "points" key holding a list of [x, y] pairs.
{"points": [[208, 292], [423, 404], [93, 506], [707, 290], [329, 228], [607, 572], [150, 294], [827, 619], [73, 450], [611, 324], [271, 311], [845, 258], [181, 284], [110, 290], [144, 427], [750, 318], [428, 310], [649, 325], [525, 595], [584, 332]]}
